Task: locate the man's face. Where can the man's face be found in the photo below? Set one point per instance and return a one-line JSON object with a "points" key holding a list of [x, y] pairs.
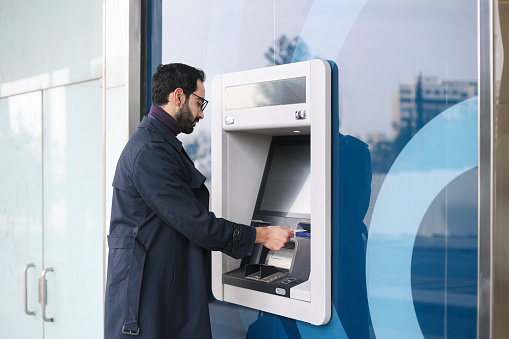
{"points": [[190, 112]]}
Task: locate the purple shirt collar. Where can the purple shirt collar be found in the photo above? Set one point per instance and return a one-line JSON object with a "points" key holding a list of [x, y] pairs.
{"points": [[164, 118]]}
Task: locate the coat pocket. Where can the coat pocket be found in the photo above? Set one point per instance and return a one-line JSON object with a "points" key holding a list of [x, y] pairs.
{"points": [[126, 261], [119, 259], [179, 270]]}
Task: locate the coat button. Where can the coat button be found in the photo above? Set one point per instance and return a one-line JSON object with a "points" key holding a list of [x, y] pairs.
{"points": [[236, 235]]}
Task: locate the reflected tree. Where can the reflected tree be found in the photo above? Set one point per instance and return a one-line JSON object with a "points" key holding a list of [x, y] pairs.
{"points": [[287, 50]]}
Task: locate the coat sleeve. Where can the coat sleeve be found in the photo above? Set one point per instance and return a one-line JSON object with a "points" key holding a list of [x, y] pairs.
{"points": [[159, 178]]}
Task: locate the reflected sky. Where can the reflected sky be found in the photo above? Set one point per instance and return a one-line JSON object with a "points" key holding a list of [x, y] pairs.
{"points": [[392, 41]]}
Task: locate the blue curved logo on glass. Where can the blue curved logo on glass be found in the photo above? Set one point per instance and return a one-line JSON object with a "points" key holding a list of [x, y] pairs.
{"points": [[441, 151]]}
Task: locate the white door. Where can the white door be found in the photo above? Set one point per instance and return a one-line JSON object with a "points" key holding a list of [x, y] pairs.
{"points": [[20, 215], [73, 210], [51, 213]]}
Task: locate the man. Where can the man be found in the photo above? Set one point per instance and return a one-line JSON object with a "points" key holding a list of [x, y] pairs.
{"points": [[161, 228]]}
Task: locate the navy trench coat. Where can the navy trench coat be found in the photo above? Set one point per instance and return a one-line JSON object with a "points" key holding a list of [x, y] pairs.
{"points": [[160, 233]]}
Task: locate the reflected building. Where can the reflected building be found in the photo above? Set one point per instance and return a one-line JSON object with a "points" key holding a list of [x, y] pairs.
{"points": [[414, 105], [425, 97]]}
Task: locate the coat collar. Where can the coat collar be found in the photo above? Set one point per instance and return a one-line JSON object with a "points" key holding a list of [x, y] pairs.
{"points": [[162, 130], [165, 118]]}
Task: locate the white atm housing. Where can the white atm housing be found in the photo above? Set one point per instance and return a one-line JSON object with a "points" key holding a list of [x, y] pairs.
{"points": [[249, 109]]}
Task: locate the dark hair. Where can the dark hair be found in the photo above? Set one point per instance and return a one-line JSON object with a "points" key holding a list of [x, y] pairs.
{"points": [[169, 77]]}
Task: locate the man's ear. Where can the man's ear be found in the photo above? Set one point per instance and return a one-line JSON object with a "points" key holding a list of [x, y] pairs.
{"points": [[178, 97]]}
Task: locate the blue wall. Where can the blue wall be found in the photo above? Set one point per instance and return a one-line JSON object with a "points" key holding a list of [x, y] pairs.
{"points": [[405, 249]]}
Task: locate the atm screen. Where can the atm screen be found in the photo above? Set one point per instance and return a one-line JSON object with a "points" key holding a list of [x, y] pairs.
{"points": [[285, 186]]}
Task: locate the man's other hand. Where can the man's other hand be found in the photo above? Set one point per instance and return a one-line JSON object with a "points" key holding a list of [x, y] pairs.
{"points": [[273, 237]]}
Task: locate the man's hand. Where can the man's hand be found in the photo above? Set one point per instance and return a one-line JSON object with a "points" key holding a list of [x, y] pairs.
{"points": [[273, 237]]}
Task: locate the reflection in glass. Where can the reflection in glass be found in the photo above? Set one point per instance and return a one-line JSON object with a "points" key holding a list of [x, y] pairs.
{"points": [[444, 262], [288, 50], [354, 181], [377, 106], [415, 104]]}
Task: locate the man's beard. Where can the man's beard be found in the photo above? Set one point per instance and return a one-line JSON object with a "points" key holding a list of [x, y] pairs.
{"points": [[185, 119]]}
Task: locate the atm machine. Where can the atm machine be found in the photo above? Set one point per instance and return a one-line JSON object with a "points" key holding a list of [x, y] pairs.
{"points": [[271, 165]]}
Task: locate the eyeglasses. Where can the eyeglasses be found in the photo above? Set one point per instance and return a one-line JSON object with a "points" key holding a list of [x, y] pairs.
{"points": [[204, 101]]}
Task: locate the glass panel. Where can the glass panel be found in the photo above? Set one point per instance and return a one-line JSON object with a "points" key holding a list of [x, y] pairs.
{"points": [[47, 21], [407, 89]]}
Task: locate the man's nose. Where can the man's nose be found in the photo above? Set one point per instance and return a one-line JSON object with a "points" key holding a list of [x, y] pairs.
{"points": [[201, 115]]}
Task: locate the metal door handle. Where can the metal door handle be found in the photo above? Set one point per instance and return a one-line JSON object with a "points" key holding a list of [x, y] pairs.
{"points": [[43, 292], [25, 297]]}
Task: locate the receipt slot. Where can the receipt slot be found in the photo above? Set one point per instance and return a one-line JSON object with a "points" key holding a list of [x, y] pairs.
{"points": [[271, 165]]}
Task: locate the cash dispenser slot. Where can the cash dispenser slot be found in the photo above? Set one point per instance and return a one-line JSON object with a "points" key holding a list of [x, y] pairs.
{"points": [[279, 272]]}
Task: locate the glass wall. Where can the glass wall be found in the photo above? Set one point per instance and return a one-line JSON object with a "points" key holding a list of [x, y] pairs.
{"points": [[407, 87]]}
